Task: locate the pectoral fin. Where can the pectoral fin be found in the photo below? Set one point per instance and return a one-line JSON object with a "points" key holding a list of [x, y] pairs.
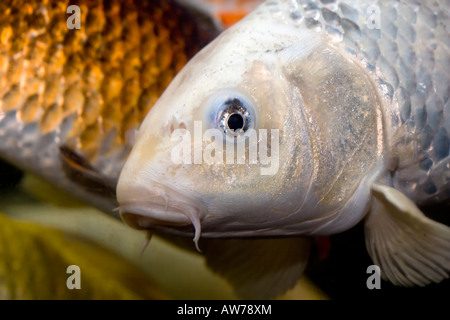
{"points": [[409, 248], [82, 173], [258, 268]]}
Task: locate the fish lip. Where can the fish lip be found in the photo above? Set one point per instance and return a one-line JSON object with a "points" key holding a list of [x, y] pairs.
{"points": [[154, 205], [149, 215]]}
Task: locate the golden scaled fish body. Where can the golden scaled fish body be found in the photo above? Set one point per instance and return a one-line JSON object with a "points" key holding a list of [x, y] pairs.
{"points": [[71, 98]]}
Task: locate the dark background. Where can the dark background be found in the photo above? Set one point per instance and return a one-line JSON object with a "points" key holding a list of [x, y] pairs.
{"points": [[342, 274]]}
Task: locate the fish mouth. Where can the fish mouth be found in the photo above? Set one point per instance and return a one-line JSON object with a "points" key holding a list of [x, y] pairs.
{"points": [[156, 206], [147, 215]]}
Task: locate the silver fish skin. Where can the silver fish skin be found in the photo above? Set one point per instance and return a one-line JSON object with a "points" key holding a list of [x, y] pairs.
{"points": [[359, 91]]}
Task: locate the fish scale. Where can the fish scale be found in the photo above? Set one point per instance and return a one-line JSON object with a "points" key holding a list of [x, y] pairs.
{"points": [[409, 54], [359, 93], [85, 90]]}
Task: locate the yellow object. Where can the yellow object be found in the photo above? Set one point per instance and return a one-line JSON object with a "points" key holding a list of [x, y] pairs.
{"points": [[34, 261]]}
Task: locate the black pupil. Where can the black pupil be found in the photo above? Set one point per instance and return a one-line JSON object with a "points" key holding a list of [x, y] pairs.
{"points": [[235, 122]]}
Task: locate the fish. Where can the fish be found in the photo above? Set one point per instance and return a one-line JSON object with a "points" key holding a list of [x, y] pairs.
{"points": [[77, 78], [224, 13], [302, 120]]}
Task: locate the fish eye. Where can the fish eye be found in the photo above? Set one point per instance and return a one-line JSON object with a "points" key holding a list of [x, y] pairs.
{"points": [[234, 117], [231, 112], [235, 122]]}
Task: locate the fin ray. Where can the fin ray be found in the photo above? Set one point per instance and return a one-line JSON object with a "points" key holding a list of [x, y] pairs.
{"points": [[410, 248]]}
